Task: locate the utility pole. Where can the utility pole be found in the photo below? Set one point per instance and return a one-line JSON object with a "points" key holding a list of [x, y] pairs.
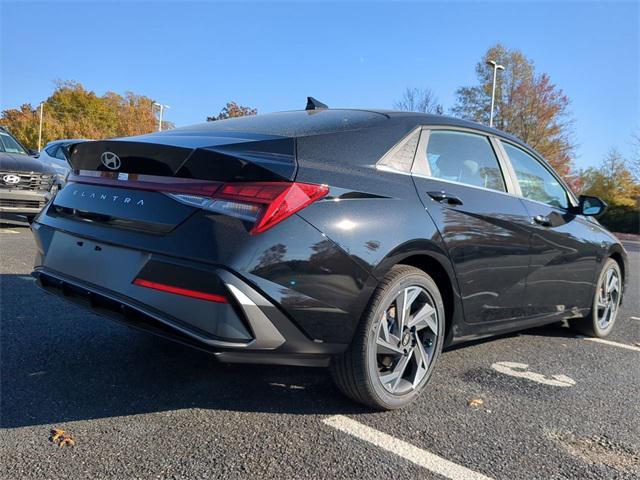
{"points": [[40, 129], [162, 107], [496, 67]]}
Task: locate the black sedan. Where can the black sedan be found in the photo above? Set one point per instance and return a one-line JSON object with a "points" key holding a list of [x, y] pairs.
{"points": [[361, 240]]}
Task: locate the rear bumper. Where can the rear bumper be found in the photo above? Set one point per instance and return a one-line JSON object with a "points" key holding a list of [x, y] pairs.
{"points": [[250, 328], [22, 202]]}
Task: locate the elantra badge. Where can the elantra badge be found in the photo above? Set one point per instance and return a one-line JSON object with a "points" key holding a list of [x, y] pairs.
{"points": [[11, 179], [110, 160]]}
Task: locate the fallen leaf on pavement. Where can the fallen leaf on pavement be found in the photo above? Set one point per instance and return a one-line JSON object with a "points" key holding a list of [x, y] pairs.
{"points": [[61, 438], [475, 402]]}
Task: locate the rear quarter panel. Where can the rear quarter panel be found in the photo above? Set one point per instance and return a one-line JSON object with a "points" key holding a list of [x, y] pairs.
{"points": [[374, 216]]}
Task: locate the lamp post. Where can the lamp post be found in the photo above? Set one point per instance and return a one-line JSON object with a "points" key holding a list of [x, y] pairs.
{"points": [[496, 67], [162, 107], [40, 129]]}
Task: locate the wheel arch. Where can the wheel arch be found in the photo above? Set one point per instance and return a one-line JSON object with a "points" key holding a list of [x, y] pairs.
{"points": [[618, 254], [429, 257]]}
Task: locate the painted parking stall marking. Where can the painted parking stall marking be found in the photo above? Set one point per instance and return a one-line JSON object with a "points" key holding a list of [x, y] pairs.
{"points": [[635, 318], [409, 452], [520, 370], [613, 344]]}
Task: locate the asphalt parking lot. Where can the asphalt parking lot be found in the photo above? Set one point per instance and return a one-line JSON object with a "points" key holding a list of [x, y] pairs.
{"points": [[139, 406]]}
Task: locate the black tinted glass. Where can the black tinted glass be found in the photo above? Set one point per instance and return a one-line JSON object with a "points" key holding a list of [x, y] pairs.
{"points": [[465, 158]]}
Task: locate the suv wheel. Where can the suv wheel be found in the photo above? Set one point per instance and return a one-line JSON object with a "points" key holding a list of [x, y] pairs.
{"points": [[397, 344], [606, 302]]}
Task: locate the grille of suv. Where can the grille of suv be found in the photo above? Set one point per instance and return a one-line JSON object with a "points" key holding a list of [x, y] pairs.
{"points": [[13, 203], [28, 181]]}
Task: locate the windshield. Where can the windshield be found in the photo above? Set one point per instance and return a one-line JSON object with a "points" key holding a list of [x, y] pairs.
{"points": [[8, 144]]}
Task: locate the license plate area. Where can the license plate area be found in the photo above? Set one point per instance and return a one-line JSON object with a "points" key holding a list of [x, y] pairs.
{"points": [[94, 262]]}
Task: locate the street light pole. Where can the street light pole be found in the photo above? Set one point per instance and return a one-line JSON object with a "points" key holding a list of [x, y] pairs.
{"points": [[496, 67], [40, 129], [162, 107]]}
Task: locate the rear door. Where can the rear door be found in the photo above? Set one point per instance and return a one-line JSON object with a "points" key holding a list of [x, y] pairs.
{"points": [[561, 276], [461, 182]]}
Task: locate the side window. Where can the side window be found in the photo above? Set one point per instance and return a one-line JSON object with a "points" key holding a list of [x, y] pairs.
{"points": [[60, 153], [465, 158], [536, 182], [52, 151], [401, 158]]}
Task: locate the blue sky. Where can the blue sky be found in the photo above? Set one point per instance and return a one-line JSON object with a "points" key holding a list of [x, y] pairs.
{"points": [[197, 56]]}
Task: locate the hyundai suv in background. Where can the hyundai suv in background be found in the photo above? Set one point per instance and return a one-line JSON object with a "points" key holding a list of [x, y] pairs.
{"points": [[25, 182]]}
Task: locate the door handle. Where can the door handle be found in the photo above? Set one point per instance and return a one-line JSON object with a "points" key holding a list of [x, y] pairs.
{"points": [[542, 220], [444, 197]]}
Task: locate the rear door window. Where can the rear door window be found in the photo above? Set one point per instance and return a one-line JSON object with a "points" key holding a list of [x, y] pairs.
{"points": [[464, 158], [52, 151], [536, 182]]}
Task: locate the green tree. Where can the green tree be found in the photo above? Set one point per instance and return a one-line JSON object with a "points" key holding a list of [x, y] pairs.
{"points": [[528, 105], [232, 110], [419, 100], [612, 181], [71, 111]]}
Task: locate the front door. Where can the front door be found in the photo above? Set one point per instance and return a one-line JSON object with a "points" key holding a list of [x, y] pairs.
{"points": [[561, 277], [461, 183]]}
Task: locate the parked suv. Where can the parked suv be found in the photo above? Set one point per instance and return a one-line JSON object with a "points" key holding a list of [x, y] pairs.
{"points": [[25, 182], [361, 240]]}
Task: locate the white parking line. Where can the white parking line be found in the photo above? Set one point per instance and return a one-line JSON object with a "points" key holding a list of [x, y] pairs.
{"points": [[403, 449], [613, 344], [635, 318]]}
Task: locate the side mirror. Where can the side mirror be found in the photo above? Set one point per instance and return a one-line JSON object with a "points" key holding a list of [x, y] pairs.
{"points": [[591, 206], [33, 153]]}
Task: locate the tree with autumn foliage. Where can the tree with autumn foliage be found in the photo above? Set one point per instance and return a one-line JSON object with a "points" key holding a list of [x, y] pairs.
{"points": [[612, 181], [527, 105], [72, 111], [232, 110]]}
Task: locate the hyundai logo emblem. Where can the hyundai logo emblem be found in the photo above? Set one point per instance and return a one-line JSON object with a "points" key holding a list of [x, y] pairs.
{"points": [[11, 179], [110, 160]]}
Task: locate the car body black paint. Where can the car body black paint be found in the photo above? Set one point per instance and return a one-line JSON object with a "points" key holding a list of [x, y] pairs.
{"points": [[318, 269]]}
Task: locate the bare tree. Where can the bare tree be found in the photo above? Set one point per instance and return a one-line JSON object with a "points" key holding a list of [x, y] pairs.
{"points": [[419, 100]]}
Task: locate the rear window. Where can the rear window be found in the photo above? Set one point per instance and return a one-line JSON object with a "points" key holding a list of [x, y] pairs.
{"points": [[291, 124]]}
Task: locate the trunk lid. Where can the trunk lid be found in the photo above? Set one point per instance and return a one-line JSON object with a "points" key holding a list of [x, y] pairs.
{"points": [[124, 182], [224, 157]]}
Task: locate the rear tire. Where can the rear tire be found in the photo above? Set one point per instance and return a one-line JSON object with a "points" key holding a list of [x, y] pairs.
{"points": [[392, 356], [606, 302]]}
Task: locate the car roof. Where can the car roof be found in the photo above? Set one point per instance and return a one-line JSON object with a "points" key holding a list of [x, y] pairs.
{"points": [[301, 123]]}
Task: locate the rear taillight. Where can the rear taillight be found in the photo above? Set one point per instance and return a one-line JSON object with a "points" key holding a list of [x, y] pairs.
{"points": [[266, 203], [275, 200], [263, 203]]}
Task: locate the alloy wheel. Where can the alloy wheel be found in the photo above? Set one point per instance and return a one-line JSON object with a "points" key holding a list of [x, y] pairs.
{"points": [[406, 340], [608, 298]]}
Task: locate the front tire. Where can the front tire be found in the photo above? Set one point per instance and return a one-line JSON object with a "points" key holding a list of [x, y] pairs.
{"points": [[606, 302], [397, 343]]}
